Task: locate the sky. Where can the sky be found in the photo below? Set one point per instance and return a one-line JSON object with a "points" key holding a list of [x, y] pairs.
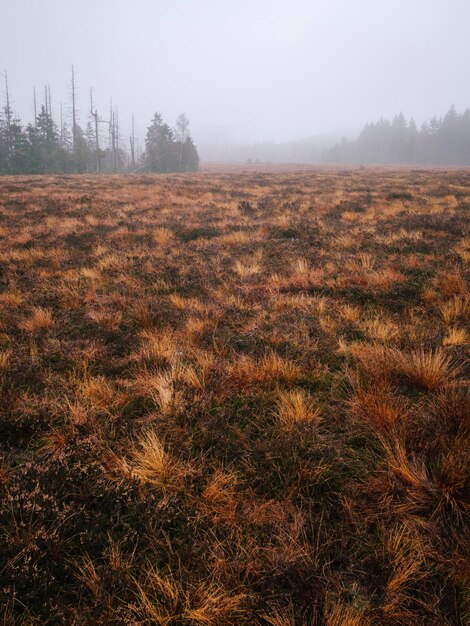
{"points": [[242, 70]]}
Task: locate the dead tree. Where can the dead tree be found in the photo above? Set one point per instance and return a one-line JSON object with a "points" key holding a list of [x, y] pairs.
{"points": [[7, 110], [94, 114], [182, 124], [35, 107], [132, 143], [74, 116]]}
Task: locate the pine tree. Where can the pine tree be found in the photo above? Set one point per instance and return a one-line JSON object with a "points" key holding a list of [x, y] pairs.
{"points": [[19, 148], [3, 145], [51, 156], [190, 161], [159, 146], [170, 150]]}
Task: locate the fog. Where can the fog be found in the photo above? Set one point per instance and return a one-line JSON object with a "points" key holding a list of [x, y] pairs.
{"points": [[243, 71]]}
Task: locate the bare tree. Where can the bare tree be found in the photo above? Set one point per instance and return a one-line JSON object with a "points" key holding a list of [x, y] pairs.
{"points": [[50, 100], [182, 125], [132, 143], [35, 107], [97, 140], [46, 102], [74, 115], [7, 110]]}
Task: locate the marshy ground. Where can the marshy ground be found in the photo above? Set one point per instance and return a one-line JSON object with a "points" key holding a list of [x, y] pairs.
{"points": [[235, 397]]}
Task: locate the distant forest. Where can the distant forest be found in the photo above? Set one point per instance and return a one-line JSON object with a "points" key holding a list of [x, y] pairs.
{"points": [[61, 146], [56, 143], [444, 141], [441, 141]]}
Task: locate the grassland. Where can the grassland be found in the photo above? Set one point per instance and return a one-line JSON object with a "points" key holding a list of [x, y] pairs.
{"points": [[235, 397]]}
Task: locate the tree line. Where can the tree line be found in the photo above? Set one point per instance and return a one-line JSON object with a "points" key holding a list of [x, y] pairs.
{"points": [[443, 141], [48, 145]]}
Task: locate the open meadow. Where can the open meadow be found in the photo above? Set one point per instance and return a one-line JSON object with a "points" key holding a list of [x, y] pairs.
{"points": [[235, 397]]}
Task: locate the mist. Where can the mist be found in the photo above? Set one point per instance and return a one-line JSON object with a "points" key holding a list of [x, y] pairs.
{"points": [[244, 72]]}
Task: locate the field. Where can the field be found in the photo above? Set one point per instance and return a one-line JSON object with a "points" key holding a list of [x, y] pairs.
{"points": [[236, 397]]}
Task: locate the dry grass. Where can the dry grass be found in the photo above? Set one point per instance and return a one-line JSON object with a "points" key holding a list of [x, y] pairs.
{"points": [[296, 406], [40, 319], [381, 329], [162, 236], [342, 614], [5, 358], [454, 310], [269, 369], [245, 269], [456, 337], [425, 369], [379, 407], [422, 368], [152, 464], [235, 397], [219, 495], [162, 600]]}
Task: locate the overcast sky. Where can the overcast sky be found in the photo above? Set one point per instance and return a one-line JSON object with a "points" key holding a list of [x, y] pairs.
{"points": [[243, 70]]}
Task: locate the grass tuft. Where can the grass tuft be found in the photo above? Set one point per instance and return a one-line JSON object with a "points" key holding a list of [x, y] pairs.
{"points": [[296, 406]]}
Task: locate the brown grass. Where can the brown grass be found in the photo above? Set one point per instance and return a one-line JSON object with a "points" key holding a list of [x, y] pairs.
{"points": [[425, 369], [152, 464], [296, 406], [235, 397], [40, 319]]}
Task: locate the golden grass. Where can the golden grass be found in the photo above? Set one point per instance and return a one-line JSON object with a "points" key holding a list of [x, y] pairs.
{"points": [[88, 576], [300, 267], [246, 269], [235, 397], [422, 368], [163, 601], [366, 260], [271, 368], [160, 387], [454, 310], [41, 319], [343, 614], [412, 472], [456, 337], [381, 329], [158, 345], [220, 493], [5, 359], [377, 406], [281, 617], [296, 406], [407, 557], [162, 236], [152, 464], [425, 369], [10, 299], [108, 319]]}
